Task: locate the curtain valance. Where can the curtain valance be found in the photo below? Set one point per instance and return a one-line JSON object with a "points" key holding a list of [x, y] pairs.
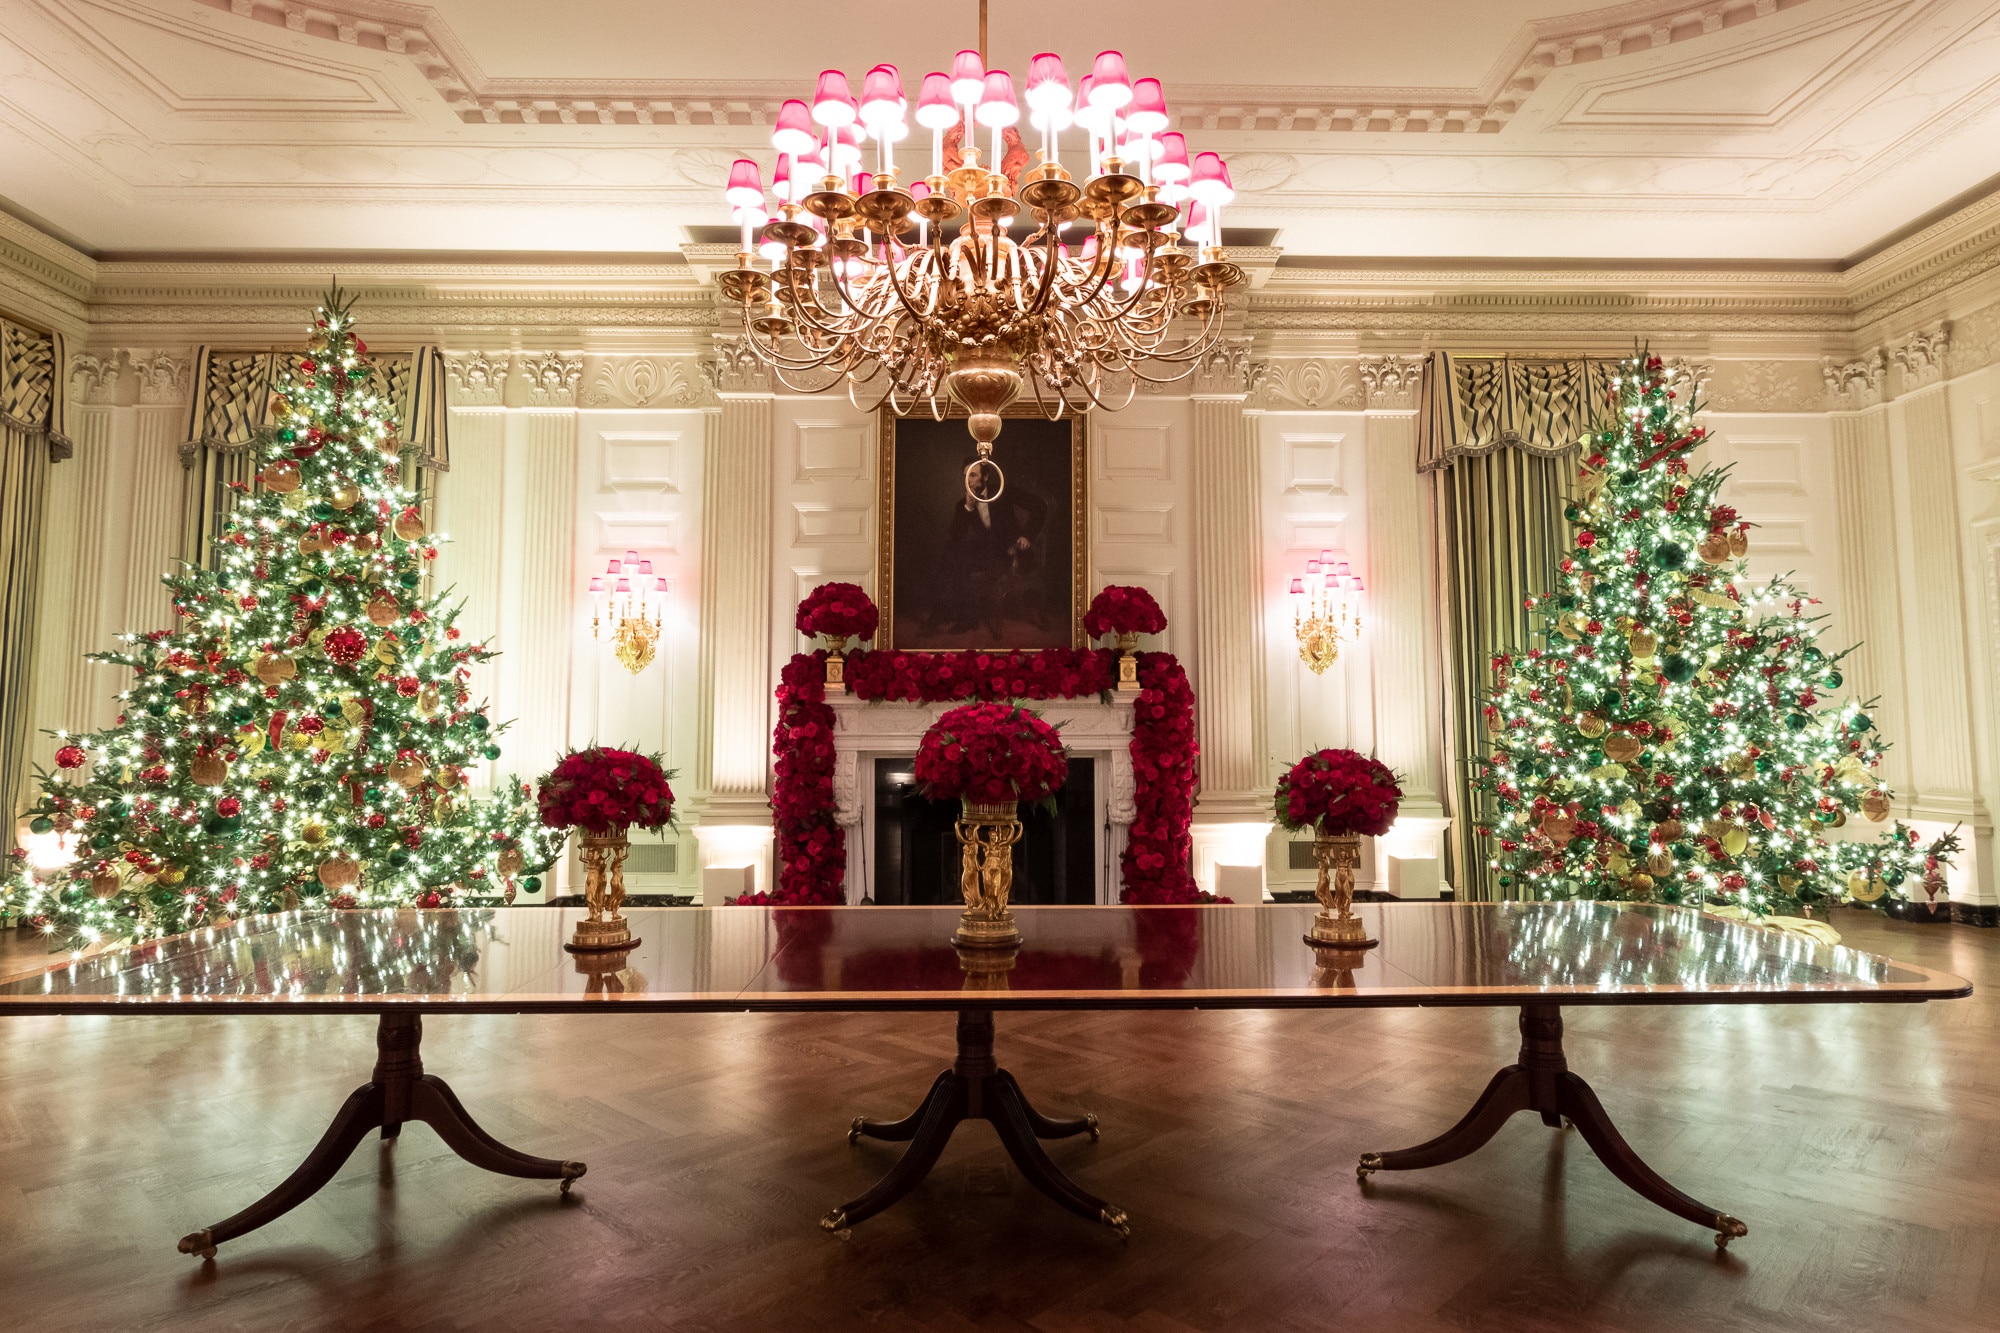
{"points": [[232, 402], [31, 386], [1472, 405]]}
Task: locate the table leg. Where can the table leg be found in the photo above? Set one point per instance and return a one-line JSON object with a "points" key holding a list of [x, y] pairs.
{"points": [[974, 1088], [398, 1091], [1542, 1082]]}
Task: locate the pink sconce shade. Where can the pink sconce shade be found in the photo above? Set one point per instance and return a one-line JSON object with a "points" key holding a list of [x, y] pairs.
{"points": [[1343, 570], [996, 104], [745, 188], [919, 190], [935, 109], [968, 77], [1148, 112], [1110, 88], [1298, 587], [833, 104], [645, 567], [1048, 83], [881, 96], [1173, 163], [1210, 181], [864, 181], [624, 585], [1354, 585], [597, 585], [781, 180], [794, 131], [660, 585]]}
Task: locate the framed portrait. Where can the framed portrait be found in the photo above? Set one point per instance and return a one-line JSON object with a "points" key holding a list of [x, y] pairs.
{"points": [[952, 573]]}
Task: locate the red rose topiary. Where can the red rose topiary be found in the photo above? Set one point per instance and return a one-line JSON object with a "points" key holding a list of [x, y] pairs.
{"points": [[1123, 610], [601, 789], [1336, 792], [988, 753], [839, 611]]}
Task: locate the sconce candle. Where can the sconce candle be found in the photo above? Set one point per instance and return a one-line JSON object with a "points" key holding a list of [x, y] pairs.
{"points": [[1326, 608], [634, 599]]}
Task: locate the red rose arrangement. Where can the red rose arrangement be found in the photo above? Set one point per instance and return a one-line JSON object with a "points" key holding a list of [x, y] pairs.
{"points": [[1335, 792], [811, 845], [602, 789], [1123, 610], [838, 611], [988, 753]]}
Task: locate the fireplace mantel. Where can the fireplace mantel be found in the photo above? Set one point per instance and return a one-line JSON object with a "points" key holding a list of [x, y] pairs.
{"points": [[866, 731]]}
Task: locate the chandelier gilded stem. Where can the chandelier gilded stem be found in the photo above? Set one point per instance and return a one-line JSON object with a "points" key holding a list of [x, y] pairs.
{"points": [[858, 280]]}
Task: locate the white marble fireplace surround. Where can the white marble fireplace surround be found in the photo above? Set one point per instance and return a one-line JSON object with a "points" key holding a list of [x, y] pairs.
{"points": [[866, 731]]}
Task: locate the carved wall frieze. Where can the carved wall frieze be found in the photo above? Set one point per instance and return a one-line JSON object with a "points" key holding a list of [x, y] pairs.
{"points": [[1920, 356], [1317, 383], [646, 381], [124, 376], [1975, 340], [1855, 384], [1765, 386], [551, 378]]}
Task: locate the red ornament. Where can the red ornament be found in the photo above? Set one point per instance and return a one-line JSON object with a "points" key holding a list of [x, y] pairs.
{"points": [[1586, 539], [344, 646], [228, 807], [70, 756]]}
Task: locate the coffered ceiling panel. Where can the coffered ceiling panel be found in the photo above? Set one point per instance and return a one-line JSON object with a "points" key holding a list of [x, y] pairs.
{"points": [[1697, 129]]}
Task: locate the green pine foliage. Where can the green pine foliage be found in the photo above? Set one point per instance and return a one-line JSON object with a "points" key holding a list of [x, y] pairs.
{"points": [[1678, 739], [302, 735]]}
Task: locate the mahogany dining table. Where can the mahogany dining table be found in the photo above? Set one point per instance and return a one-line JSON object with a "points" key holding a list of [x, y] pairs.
{"points": [[406, 965]]}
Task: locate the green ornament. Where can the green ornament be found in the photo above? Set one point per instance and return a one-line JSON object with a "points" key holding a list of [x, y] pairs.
{"points": [[313, 791], [532, 884], [241, 714], [1677, 669], [41, 824], [1566, 601], [1572, 513], [1506, 881], [410, 579], [322, 511], [1832, 680], [480, 722], [1628, 478], [1798, 721], [1860, 723], [491, 752], [1815, 655], [312, 587], [371, 794], [1764, 764], [1610, 700], [1893, 876], [399, 858], [1670, 555]]}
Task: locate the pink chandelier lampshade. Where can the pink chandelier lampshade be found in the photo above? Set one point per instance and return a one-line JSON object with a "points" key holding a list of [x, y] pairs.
{"points": [[881, 97], [1147, 115], [745, 188], [1173, 164], [793, 132], [1210, 181], [935, 109], [833, 105], [1110, 87], [997, 107], [1048, 83], [968, 77]]}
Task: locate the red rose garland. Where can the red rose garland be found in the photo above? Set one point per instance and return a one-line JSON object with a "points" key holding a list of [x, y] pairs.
{"points": [[811, 846], [601, 789], [841, 610], [1336, 792], [1123, 610], [989, 753]]}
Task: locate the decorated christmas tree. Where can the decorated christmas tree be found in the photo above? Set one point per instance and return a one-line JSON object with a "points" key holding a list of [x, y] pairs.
{"points": [[1678, 739], [303, 732]]}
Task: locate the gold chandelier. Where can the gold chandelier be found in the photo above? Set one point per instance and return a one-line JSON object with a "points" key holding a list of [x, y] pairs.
{"points": [[864, 285]]}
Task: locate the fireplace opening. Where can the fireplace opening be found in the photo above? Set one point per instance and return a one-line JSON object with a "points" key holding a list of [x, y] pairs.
{"points": [[917, 854]]}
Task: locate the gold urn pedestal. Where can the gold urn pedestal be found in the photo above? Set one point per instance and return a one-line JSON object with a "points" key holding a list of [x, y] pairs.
{"points": [[986, 837], [836, 664], [1335, 926], [604, 929], [1128, 664]]}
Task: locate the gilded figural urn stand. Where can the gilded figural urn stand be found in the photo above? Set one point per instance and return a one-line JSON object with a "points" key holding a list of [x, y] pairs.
{"points": [[975, 1087], [1335, 926], [604, 929]]}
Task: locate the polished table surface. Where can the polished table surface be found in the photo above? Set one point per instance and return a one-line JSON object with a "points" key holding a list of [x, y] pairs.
{"points": [[510, 960]]}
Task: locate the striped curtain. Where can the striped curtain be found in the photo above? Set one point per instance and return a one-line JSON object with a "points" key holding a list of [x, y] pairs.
{"points": [[232, 405], [31, 440], [1496, 435]]}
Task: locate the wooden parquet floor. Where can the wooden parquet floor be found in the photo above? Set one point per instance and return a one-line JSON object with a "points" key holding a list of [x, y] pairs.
{"points": [[1861, 1144]]}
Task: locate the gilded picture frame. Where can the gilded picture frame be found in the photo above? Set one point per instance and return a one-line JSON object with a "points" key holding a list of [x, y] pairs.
{"points": [[1010, 575]]}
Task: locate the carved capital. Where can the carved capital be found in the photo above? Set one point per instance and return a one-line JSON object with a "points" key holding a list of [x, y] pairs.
{"points": [[551, 378], [1690, 379], [125, 376], [735, 371], [1227, 371], [1921, 355], [1392, 381], [475, 379], [1855, 384], [94, 379]]}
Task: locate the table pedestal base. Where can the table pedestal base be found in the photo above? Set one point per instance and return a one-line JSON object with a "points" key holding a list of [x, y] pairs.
{"points": [[974, 1088], [1542, 1083], [399, 1091]]}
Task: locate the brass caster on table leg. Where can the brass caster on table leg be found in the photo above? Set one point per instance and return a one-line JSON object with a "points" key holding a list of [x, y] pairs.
{"points": [[854, 1130], [1370, 1163], [835, 1224], [572, 1172], [1115, 1219], [1090, 1125], [199, 1245], [1727, 1229]]}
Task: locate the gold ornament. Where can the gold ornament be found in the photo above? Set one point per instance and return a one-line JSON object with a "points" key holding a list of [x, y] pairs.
{"points": [[344, 495], [410, 527], [408, 773], [1593, 725], [1558, 826], [1622, 748], [1870, 890], [276, 668], [1640, 885], [1660, 864], [384, 610], [447, 777], [1714, 549], [1739, 542], [427, 700], [105, 884], [352, 710], [313, 834], [312, 544], [511, 862], [281, 476], [385, 652], [1644, 643], [1875, 805], [1669, 830], [1734, 839], [339, 872], [209, 770]]}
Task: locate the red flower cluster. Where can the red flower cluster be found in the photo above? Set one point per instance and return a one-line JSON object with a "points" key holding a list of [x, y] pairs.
{"points": [[1338, 792], [841, 610], [344, 646], [1123, 610], [812, 854], [599, 790], [985, 753]]}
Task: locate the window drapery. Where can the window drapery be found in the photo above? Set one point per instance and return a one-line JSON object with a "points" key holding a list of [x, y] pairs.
{"points": [[1496, 436], [31, 440]]}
